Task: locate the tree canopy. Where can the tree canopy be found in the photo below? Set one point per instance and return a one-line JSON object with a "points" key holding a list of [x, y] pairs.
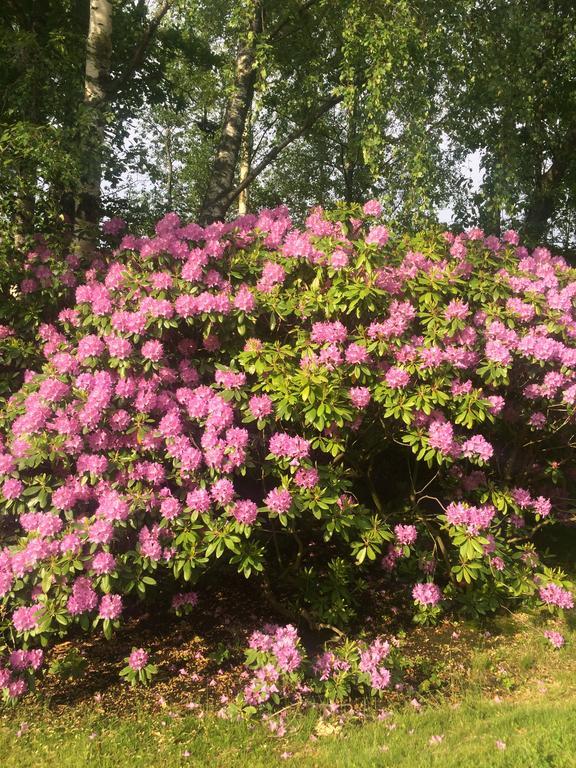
{"points": [[214, 107]]}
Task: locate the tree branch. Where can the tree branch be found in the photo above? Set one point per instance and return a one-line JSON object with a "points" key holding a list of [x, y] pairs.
{"points": [[139, 53], [288, 18], [273, 153]]}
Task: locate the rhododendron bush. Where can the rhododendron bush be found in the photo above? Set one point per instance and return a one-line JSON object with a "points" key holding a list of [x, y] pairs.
{"points": [[33, 289], [316, 408]]}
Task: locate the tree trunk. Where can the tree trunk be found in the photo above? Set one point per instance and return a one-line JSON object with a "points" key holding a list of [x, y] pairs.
{"points": [[170, 171], [245, 159], [24, 209], [98, 55], [538, 215], [544, 199], [215, 205], [351, 153]]}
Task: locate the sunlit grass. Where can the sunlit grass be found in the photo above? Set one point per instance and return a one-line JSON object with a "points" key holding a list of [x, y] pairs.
{"points": [[514, 705]]}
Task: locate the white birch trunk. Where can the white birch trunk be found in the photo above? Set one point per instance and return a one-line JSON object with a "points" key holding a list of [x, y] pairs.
{"points": [[98, 55]]}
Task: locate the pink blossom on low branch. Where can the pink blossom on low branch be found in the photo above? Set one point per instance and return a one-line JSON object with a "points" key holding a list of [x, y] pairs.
{"points": [[552, 594], [110, 607], [427, 594], [26, 618]]}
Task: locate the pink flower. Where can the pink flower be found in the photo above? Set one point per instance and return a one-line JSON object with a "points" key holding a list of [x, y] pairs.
{"points": [[441, 437], [198, 500], [552, 594], [26, 618], [405, 534], [118, 347], [260, 406], [287, 446], [245, 511], [397, 378], [360, 396], [103, 563], [339, 259], [83, 598], [113, 226], [356, 354], [498, 352], [426, 594], [112, 506], [12, 489], [244, 299], [456, 309], [501, 745], [153, 350], [110, 607], [377, 236], [306, 478], [170, 508], [477, 447], [542, 506], [555, 638], [272, 275], [222, 491], [372, 208], [278, 500], [511, 237], [183, 599], [230, 379], [328, 333], [138, 659]]}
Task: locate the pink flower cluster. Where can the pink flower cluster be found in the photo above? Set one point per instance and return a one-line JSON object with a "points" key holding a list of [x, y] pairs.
{"points": [[289, 447], [371, 662], [184, 600], [138, 659], [427, 594], [556, 639], [281, 645], [552, 594], [474, 518]]}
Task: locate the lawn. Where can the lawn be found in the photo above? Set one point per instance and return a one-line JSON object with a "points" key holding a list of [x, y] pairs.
{"points": [[511, 702]]}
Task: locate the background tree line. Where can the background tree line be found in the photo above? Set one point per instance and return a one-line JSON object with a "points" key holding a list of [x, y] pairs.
{"points": [[209, 108]]}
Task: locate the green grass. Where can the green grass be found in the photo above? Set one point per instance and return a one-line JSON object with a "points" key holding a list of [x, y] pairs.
{"points": [[536, 734], [515, 691]]}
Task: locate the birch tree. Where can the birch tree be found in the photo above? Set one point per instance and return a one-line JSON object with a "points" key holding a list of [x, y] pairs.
{"points": [[92, 121]]}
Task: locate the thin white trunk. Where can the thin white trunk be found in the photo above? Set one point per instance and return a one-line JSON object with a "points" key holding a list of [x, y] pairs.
{"points": [[98, 55], [245, 157], [221, 182]]}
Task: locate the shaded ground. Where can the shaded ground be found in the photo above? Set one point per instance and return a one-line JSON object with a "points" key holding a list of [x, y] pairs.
{"points": [[200, 656]]}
